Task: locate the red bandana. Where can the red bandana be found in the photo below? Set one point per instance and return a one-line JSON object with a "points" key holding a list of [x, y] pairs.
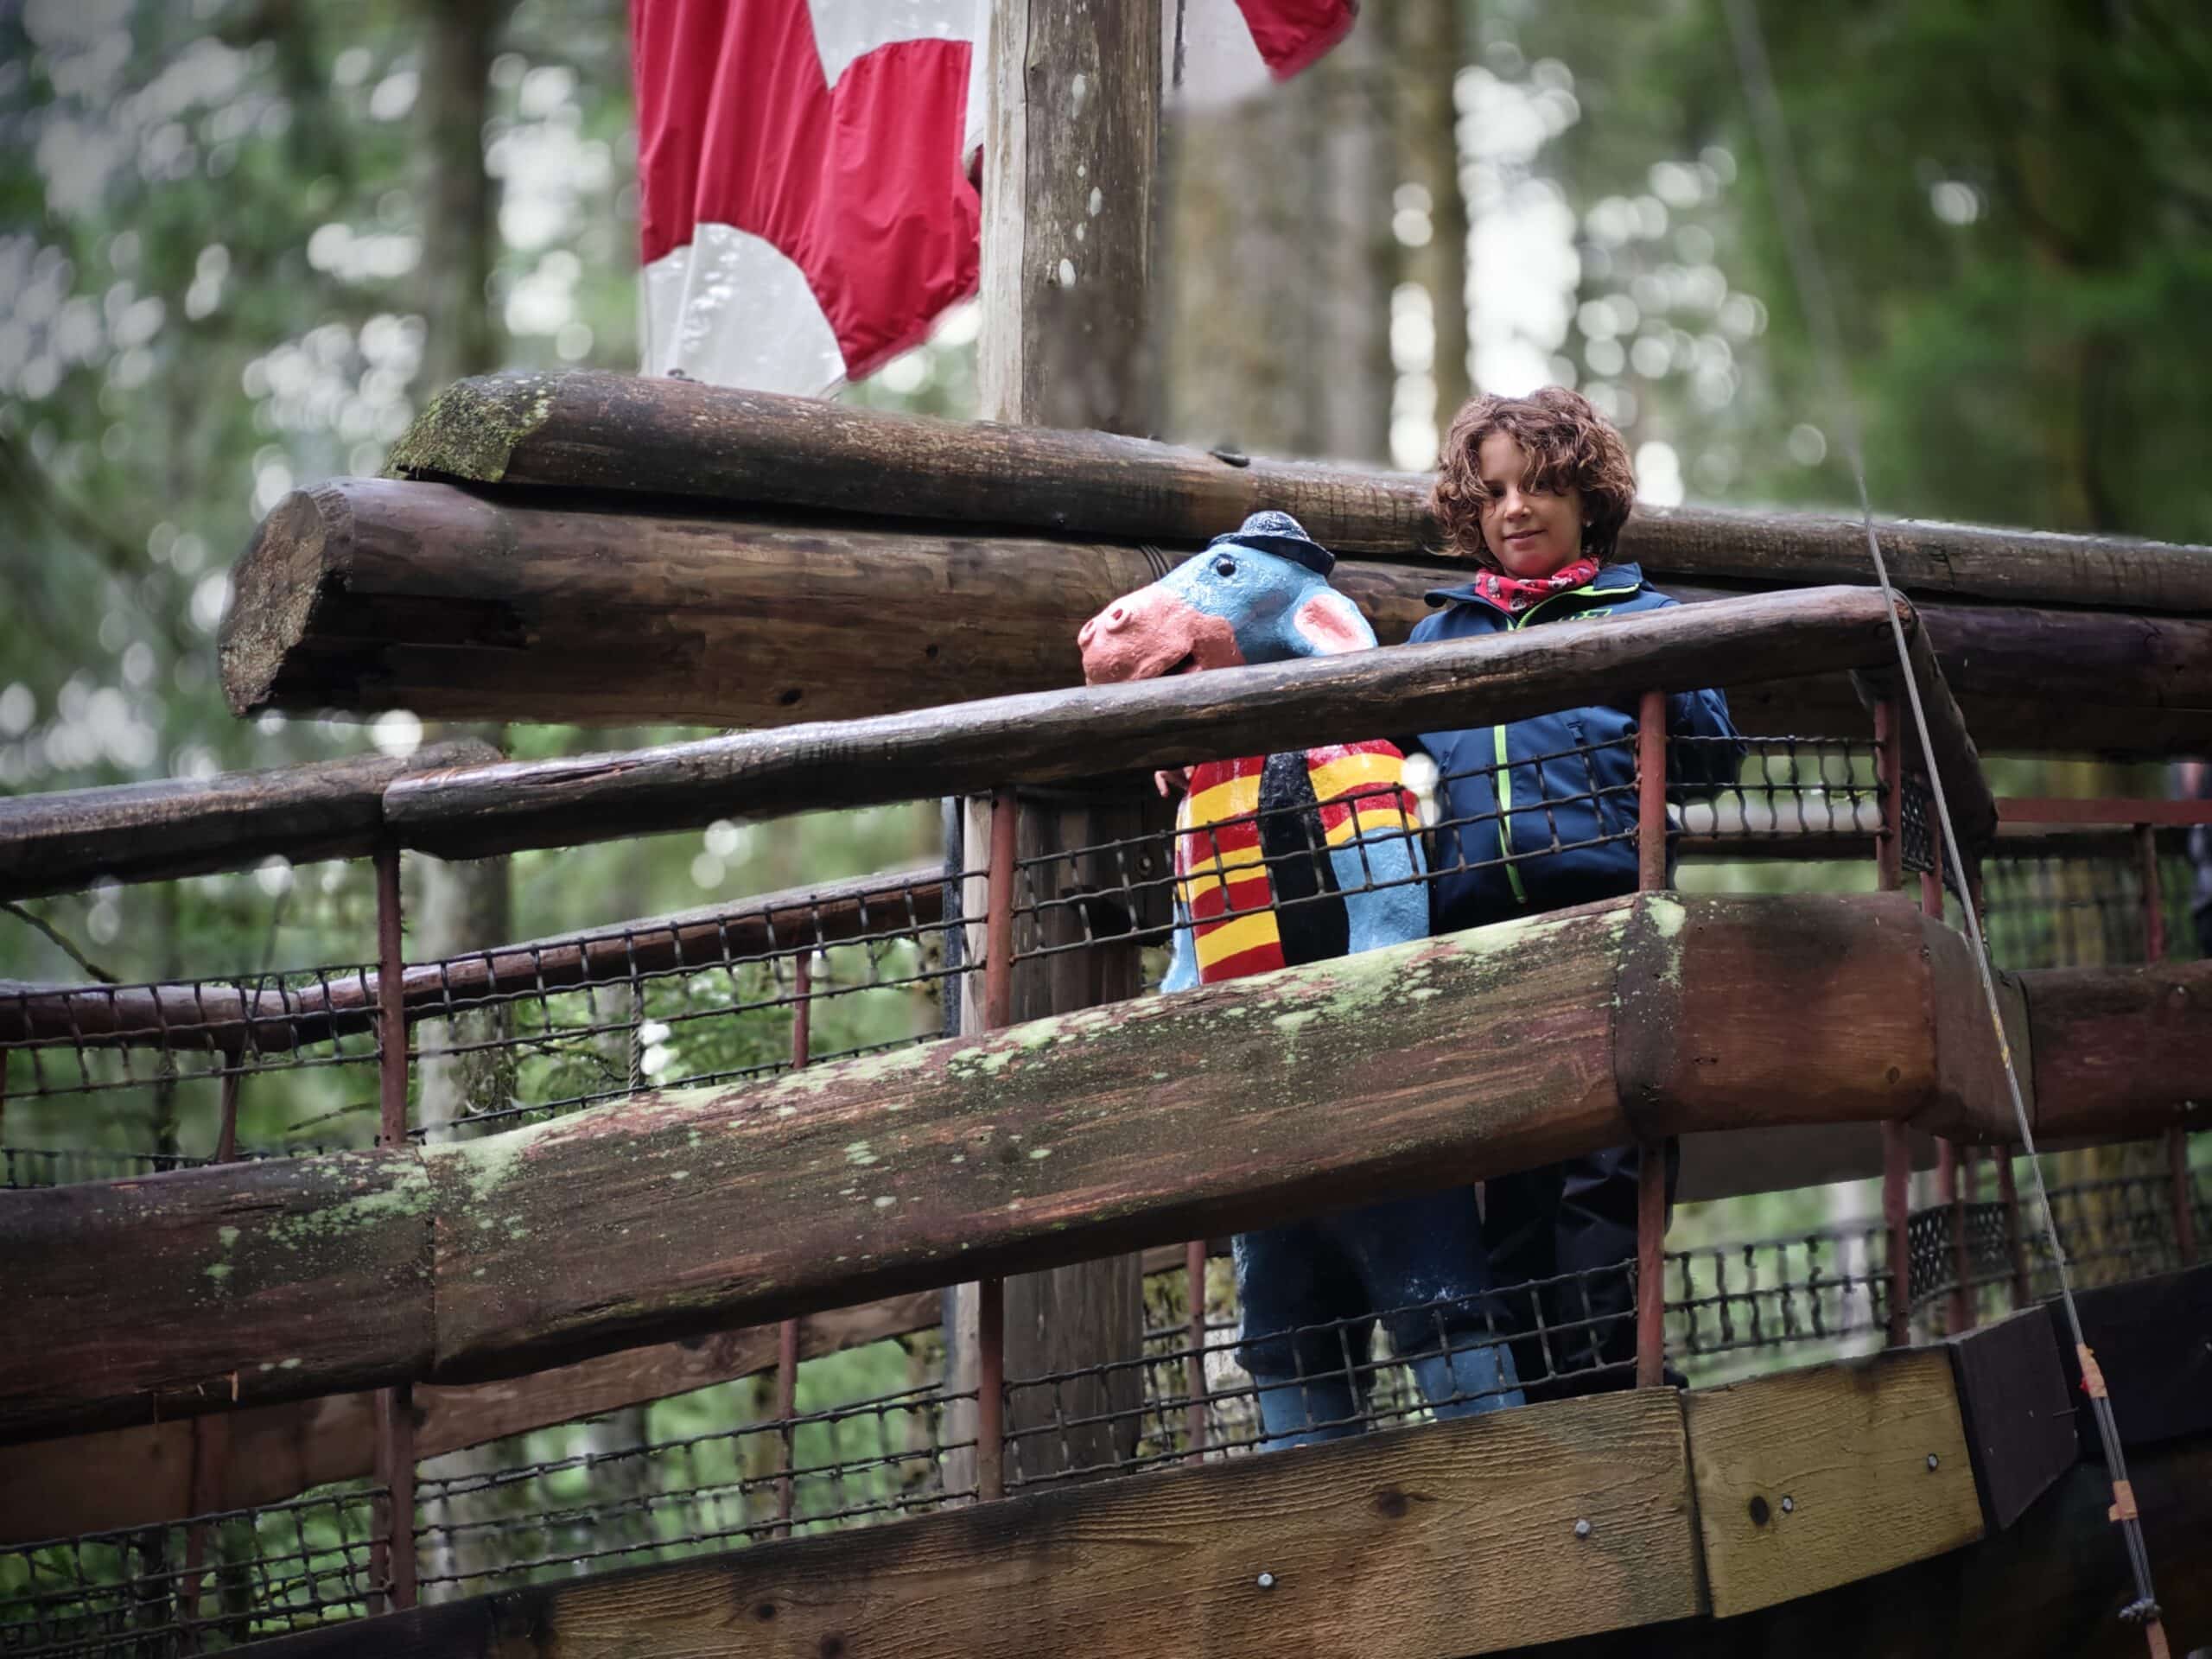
{"points": [[1515, 595]]}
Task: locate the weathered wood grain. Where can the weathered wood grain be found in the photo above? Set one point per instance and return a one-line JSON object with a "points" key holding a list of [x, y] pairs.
{"points": [[364, 594], [597, 430], [1449, 1539], [68, 839], [2018, 1415], [1808, 1479], [277, 1020], [2140, 1034], [1005, 741]]}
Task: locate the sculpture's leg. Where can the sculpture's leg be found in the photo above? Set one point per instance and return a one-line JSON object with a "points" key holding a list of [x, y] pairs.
{"points": [[1304, 1343]]}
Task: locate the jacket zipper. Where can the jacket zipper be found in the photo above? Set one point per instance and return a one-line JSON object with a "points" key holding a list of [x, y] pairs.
{"points": [[1497, 734]]}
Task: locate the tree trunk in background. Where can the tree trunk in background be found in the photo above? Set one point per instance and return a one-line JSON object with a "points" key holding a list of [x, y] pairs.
{"points": [[1426, 54], [458, 907], [1276, 277]]}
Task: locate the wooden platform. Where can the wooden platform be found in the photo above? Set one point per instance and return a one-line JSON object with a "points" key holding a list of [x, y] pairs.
{"points": [[1630, 1523]]}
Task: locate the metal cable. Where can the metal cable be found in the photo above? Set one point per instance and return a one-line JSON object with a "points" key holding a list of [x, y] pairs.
{"points": [[1810, 277]]}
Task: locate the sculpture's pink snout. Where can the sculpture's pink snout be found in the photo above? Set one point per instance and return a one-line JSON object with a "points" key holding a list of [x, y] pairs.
{"points": [[1150, 632]]}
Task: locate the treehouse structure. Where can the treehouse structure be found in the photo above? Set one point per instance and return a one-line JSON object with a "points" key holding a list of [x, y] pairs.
{"points": [[728, 1144]]}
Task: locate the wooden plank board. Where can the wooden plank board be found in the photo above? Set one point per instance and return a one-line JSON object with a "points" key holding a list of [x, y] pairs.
{"points": [[1422, 1543], [2050, 1588], [2019, 1417], [1806, 1479]]}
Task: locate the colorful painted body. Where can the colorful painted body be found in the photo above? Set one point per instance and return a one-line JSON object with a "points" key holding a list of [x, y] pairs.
{"points": [[1286, 859]]}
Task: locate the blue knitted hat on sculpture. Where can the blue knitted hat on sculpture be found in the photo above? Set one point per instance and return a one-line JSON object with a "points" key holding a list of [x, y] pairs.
{"points": [[1284, 536]]}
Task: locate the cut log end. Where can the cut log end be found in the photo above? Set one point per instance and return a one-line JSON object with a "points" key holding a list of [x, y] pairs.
{"points": [[274, 590], [471, 429]]}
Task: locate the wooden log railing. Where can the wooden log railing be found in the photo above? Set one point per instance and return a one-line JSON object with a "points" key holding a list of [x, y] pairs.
{"points": [[68, 839], [364, 594], [591, 430], [250, 1022], [1048, 1143], [1053, 736]]}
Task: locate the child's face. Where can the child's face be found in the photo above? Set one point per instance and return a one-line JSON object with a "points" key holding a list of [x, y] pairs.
{"points": [[1528, 532]]}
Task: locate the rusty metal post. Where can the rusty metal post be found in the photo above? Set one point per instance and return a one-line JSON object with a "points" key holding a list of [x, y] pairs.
{"points": [[210, 1432], [998, 1010], [395, 1405], [1651, 1155], [2016, 1247], [2154, 950], [1896, 1151], [1194, 1385], [1958, 1309], [787, 1333]]}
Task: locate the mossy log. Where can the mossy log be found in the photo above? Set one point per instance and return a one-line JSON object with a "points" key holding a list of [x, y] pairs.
{"points": [[610, 609], [1436, 1062], [593, 429]]}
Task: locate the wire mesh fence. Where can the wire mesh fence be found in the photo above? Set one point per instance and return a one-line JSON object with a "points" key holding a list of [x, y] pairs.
{"points": [[213, 1582], [101, 1081], [562, 1501]]}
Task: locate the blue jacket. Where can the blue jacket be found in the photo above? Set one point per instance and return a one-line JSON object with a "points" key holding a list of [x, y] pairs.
{"points": [[1540, 796]]}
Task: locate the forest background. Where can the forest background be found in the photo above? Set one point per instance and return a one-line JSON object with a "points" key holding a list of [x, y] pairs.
{"points": [[243, 242]]}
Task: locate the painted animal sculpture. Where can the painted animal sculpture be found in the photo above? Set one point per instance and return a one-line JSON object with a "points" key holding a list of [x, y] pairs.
{"points": [[1284, 859]]}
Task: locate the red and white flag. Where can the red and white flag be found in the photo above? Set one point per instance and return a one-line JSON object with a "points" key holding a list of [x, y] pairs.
{"points": [[806, 182]]}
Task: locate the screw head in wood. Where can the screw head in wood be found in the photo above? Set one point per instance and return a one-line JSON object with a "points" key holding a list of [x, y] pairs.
{"points": [[1266, 1580], [1789, 1506], [1932, 1461], [1582, 1528]]}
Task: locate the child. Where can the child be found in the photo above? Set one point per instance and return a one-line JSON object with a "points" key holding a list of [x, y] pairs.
{"points": [[1540, 814]]}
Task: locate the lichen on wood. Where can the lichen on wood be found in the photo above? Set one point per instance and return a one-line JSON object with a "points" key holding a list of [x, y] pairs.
{"points": [[471, 429]]}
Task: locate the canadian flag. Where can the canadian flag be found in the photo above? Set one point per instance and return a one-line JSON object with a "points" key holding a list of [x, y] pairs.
{"points": [[806, 169]]}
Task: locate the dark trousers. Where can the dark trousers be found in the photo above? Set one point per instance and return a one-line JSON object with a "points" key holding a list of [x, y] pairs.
{"points": [[1568, 1232]]}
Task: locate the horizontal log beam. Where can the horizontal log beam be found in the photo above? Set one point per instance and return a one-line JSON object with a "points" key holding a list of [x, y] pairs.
{"points": [[1454, 1538], [246, 1023], [596, 430], [1052, 736], [367, 595], [1054, 1142], [66, 841]]}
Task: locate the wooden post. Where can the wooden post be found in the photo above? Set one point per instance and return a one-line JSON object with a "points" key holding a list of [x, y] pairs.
{"points": [[1651, 1155], [1067, 235], [392, 1557], [2154, 950], [1896, 1152]]}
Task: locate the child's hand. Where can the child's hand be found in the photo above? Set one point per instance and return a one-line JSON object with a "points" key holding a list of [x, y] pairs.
{"points": [[1171, 782]]}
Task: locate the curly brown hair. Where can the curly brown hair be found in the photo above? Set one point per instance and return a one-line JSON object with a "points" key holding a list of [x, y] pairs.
{"points": [[1570, 446]]}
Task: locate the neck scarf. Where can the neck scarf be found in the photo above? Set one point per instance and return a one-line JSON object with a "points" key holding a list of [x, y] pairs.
{"points": [[1513, 594]]}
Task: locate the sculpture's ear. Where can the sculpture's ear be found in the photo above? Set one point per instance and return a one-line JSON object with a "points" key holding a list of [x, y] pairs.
{"points": [[1330, 623]]}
